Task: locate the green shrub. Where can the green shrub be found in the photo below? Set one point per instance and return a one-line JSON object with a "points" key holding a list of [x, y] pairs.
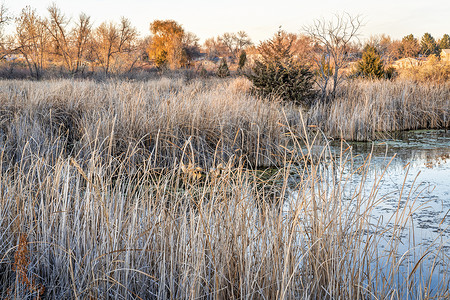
{"points": [[222, 70], [371, 65], [278, 74], [288, 81]]}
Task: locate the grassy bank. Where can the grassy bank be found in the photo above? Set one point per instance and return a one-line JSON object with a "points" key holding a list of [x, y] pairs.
{"points": [[367, 110], [205, 121], [69, 231], [165, 120], [152, 191]]}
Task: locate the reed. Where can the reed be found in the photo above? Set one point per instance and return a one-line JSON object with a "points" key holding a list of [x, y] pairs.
{"points": [[166, 120], [367, 110], [97, 202]]}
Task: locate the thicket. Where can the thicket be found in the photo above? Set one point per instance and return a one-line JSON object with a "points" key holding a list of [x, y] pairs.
{"points": [[432, 70], [278, 74], [371, 65]]}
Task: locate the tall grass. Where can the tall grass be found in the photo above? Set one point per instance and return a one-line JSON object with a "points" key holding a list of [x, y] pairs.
{"points": [[366, 110], [164, 120], [91, 209]]}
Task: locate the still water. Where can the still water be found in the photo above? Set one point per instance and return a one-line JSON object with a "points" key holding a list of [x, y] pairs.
{"points": [[420, 170], [414, 173], [403, 184]]}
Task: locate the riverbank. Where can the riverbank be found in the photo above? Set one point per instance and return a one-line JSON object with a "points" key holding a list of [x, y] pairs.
{"points": [[153, 191], [370, 110], [200, 121]]}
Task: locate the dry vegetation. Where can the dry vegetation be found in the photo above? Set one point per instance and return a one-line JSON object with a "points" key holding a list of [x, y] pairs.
{"points": [[161, 121], [151, 190], [432, 70], [367, 110]]}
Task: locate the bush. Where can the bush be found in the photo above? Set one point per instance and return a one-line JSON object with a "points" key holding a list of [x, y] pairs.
{"points": [[222, 70], [288, 81], [390, 73], [278, 74], [432, 70], [371, 65]]}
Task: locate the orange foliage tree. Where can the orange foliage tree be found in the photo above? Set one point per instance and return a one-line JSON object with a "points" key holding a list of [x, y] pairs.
{"points": [[170, 45], [166, 46]]}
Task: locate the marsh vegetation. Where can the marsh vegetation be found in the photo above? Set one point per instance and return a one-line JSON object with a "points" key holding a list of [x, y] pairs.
{"points": [[160, 189]]}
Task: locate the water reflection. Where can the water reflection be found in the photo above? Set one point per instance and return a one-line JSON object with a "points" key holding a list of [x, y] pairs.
{"points": [[417, 181]]}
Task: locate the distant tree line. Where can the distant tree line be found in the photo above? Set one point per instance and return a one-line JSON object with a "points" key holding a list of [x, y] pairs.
{"points": [[58, 43], [320, 55], [409, 46]]}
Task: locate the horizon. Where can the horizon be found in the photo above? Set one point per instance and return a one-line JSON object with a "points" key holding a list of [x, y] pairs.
{"points": [[264, 21]]}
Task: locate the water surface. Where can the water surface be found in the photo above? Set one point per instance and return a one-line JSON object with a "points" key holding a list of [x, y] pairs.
{"points": [[415, 186]]}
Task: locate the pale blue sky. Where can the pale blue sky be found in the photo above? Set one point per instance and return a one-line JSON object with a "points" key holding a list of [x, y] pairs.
{"points": [[260, 19]]}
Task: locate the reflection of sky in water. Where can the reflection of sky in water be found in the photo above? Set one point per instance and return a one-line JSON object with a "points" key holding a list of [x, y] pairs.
{"points": [[422, 161], [424, 158], [412, 215]]}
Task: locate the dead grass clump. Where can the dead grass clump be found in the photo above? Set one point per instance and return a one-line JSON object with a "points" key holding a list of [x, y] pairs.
{"points": [[367, 110]]}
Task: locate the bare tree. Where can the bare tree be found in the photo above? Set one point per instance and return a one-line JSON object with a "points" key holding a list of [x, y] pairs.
{"points": [[410, 46], [80, 34], [110, 40], [32, 40], [388, 48], [66, 44], [4, 19], [235, 42], [191, 49], [4, 16], [333, 38], [57, 27], [214, 47], [395, 50], [128, 48], [103, 43], [302, 47]]}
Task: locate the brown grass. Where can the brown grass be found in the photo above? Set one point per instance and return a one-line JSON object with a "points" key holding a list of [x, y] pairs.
{"points": [[164, 120], [191, 221], [367, 110]]}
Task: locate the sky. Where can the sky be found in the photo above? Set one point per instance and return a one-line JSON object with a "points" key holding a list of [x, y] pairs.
{"points": [[260, 19]]}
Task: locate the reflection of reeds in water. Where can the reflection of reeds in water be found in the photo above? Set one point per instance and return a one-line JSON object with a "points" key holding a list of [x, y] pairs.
{"points": [[433, 161], [96, 230], [406, 155]]}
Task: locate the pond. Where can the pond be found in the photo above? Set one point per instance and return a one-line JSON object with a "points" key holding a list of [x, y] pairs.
{"points": [[415, 186], [401, 188]]}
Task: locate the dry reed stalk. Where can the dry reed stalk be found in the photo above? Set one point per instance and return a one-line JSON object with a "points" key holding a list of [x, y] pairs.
{"points": [[367, 110], [107, 223]]}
